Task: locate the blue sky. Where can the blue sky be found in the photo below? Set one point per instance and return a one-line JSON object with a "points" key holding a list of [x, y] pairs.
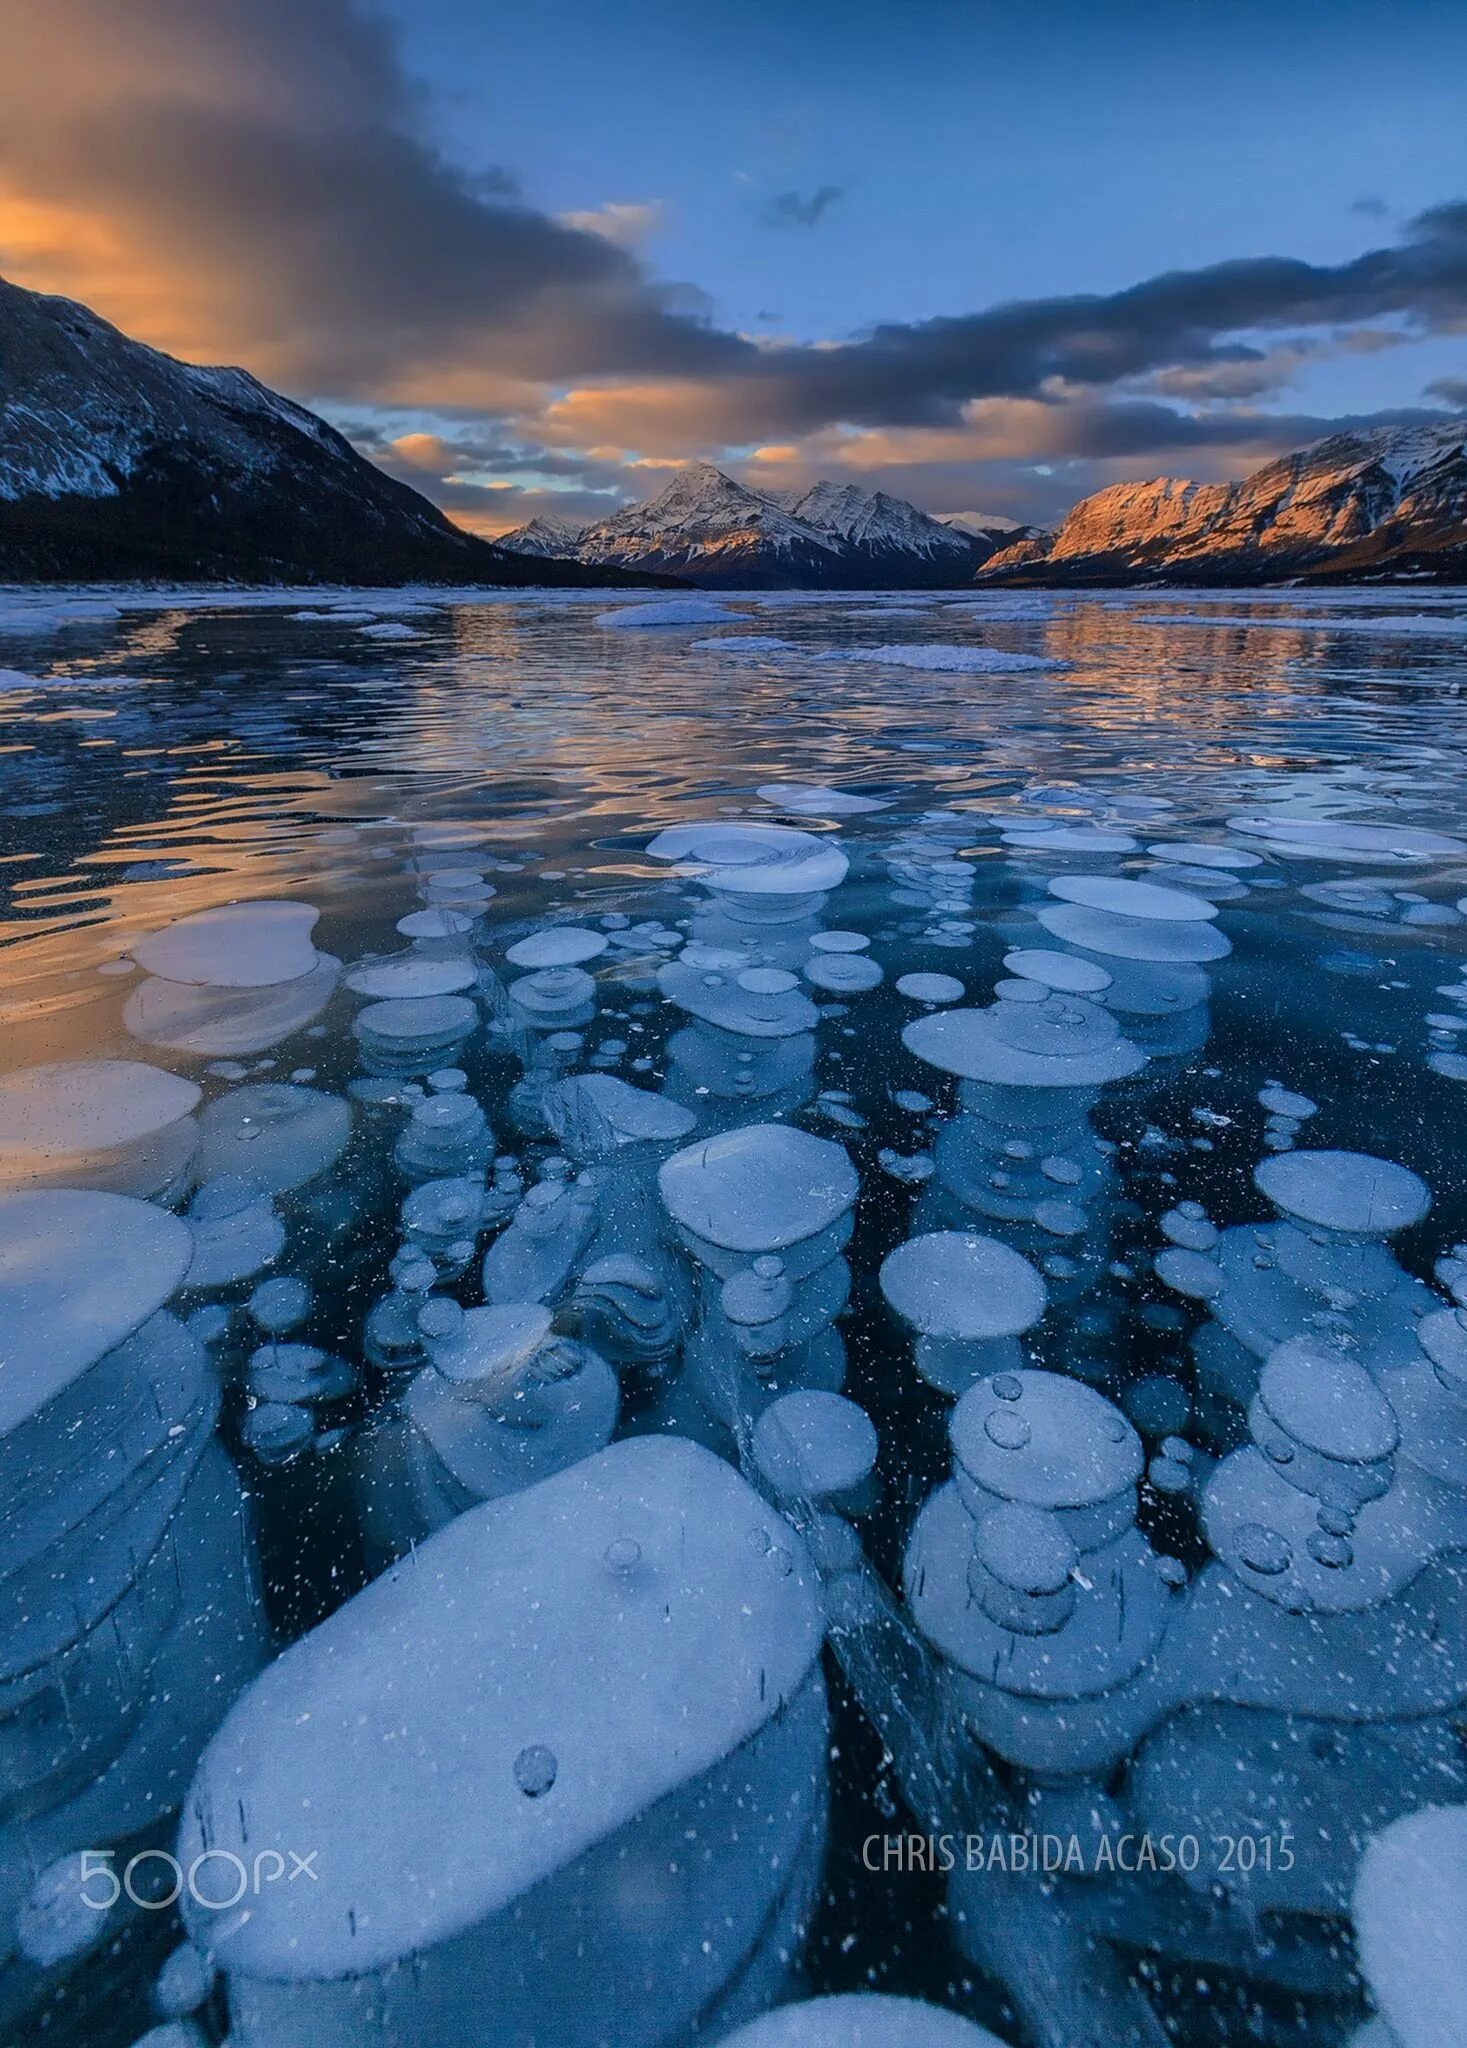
{"points": [[530, 257]]}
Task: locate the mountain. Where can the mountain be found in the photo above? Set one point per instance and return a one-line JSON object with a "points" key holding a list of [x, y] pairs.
{"points": [[556, 538], [1355, 506], [119, 462], [709, 529], [985, 525]]}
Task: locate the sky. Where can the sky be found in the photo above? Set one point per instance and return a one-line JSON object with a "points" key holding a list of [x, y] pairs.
{"points": [[988, 257]]}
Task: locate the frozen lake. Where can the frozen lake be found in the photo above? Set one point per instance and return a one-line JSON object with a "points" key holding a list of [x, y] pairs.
{"points": [[559, 1151]]}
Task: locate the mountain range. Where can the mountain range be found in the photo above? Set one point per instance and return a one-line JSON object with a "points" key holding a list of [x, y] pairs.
{"points": [[118, 462], [1388, 503], [710, 530]]}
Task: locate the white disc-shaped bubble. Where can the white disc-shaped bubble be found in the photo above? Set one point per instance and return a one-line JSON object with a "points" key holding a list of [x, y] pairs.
{"points": [[862, 2020], [843, 973], [1343, 839], [1410, 1906], [758, 1189], [85, 1119], [813, 1443], [1199, 853], [931, 988], [1057, 970], [1134, 938], [753, 860], [1345, 1191], [1132, 899], [237, 945], [79, 1272], [561, 945], [953, 1284], [410, 977]]}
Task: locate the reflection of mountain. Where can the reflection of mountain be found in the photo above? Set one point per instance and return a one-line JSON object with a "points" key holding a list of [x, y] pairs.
{"points": [[709, 529], [118, 462], [1392, 503]]}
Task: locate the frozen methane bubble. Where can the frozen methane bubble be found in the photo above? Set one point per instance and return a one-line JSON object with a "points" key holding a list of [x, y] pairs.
{"points": [[1064, 1042], [1051, 838], [1409, 1907], [1342, 839], [1147, 937], [236, 1231], [553, 995], [765, 1188], [1062, 971], [753, 860], [839, 942], [228, 1021], [404, 1719], [412, 976], [79, 1272], [1132, 899], [629, 1115], [812, 1444], [817, 801], [273, 1133], [1347, 1192], [436, 923], [931, 988], [969, 1297], [561, 945], [719, 997], [239, 945], [413, 1036], [844, 973], [1204, 854], [120, 1125], [862, 2019], [1045, 1441]]}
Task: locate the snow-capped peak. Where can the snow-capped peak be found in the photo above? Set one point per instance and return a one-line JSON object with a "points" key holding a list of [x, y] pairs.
{"points": [[701, 508], [544, 535], [873, 519]]}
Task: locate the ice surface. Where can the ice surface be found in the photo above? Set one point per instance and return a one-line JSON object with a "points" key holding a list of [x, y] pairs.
{"points": [[819, 800], [676, 611], [955, 660]]}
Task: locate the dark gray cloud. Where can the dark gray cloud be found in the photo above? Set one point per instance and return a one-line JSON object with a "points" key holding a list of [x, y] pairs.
{"points": [[922, 373], [267, 170], [800, 209], [1371, 204], [1449, 391]]}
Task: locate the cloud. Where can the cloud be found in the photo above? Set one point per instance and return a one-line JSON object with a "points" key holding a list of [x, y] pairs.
{"points": [[254, 181], [1449, 391], [624, 223], [801, 210], [1372, 204], [257, 182]]}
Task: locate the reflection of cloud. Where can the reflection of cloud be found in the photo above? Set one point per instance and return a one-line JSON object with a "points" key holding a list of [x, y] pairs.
{"points": [[802, 210]]}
